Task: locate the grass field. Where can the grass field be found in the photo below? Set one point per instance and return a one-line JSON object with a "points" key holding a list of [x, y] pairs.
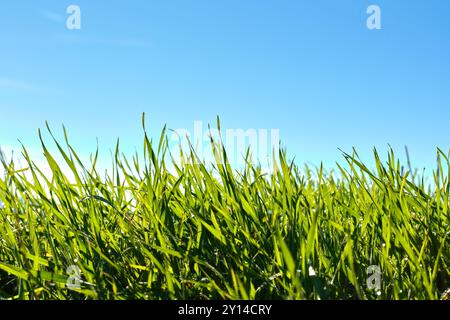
{"points": [[207, 231]]}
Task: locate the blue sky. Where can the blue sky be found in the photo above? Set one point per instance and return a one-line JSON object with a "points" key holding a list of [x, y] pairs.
{"points": [[310, 68]]}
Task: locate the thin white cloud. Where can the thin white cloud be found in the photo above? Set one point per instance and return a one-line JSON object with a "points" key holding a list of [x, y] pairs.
{"points": [[126, 42], [74, 38], [14, 84], [53, 16]]}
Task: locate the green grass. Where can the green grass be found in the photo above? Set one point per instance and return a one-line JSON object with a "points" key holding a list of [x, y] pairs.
{"points": [[206, 231]]}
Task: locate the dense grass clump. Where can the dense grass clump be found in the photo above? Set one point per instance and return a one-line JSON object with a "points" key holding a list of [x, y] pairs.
{"points": [[206, 231]]}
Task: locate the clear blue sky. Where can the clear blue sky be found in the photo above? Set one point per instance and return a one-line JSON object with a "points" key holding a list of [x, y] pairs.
{"points": [[310, 68]]}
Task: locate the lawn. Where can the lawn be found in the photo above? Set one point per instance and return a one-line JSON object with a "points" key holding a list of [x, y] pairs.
{"points": [[209, 231]]}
